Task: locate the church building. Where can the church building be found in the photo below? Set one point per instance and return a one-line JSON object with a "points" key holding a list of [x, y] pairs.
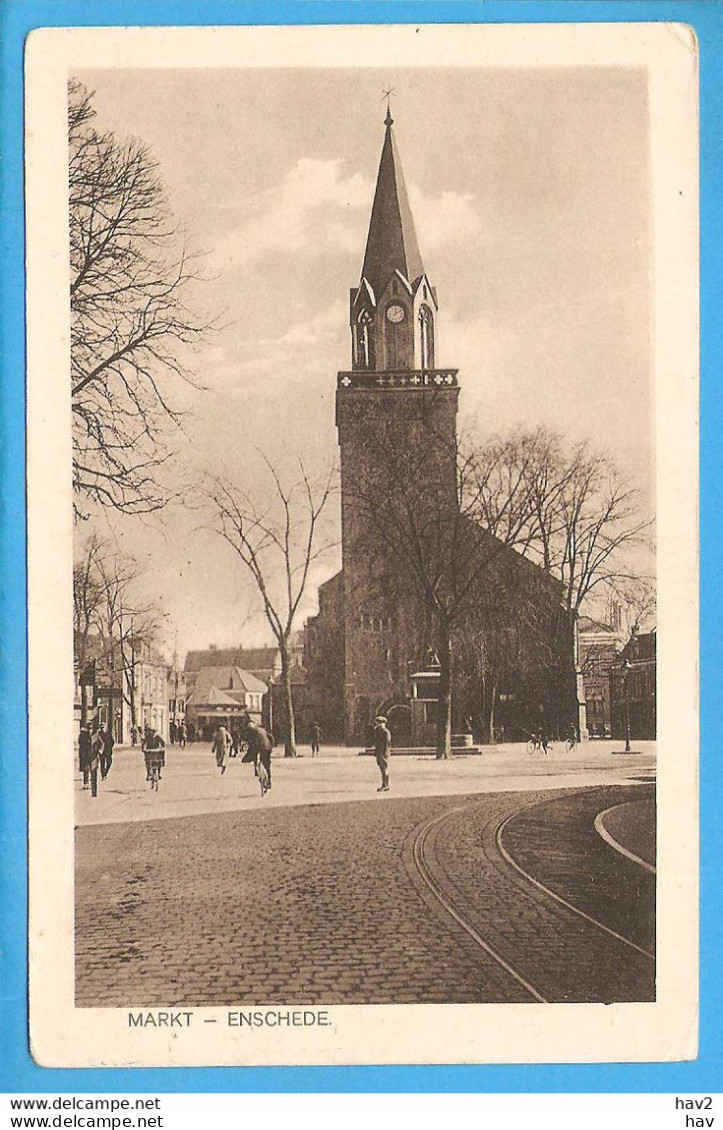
{"points": [[396, 418]]}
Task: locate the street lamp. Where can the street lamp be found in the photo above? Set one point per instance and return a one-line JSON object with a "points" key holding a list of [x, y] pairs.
{"points": [[626, 682]]}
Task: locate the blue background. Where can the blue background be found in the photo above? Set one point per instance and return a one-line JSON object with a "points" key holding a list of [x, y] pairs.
{"points": [[17, 1071]]}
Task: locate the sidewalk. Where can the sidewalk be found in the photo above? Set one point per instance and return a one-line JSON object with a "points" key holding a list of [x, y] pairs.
{"points": [[192, 784]]}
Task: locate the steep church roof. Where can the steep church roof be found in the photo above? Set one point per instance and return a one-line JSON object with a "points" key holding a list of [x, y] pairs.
{"points": [[392, 242]]}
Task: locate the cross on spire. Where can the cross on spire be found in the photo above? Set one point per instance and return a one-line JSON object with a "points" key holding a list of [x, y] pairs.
{"points": [[388, 94]]}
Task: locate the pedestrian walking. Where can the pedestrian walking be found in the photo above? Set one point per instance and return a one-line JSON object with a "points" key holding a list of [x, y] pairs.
{"points": [[235, 741], [315, 738], [173, 732], [382, 750], [134, 735], [106, 751], [91, 762], [221, 747], [260, 743], [84, 749], [154, 751], [182, 735]]}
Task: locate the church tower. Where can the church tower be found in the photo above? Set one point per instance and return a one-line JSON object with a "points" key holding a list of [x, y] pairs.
{"points": [[392, 404]]}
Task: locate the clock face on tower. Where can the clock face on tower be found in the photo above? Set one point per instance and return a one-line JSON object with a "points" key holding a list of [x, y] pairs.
{"points": [[395, 314]]}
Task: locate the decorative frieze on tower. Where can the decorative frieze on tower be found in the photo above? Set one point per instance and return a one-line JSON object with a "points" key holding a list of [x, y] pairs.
{"points": [[392, 403]]}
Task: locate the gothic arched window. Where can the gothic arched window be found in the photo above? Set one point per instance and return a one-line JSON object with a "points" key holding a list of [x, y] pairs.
{"points": [[426, 331], [365, 351]]}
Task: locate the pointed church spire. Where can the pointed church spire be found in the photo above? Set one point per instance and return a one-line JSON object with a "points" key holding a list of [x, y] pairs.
{"points": [[392, 242], [389, 120]]}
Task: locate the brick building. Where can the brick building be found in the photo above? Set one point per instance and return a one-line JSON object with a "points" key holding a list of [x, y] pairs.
{"points": [[396, 416], [633, 689]]}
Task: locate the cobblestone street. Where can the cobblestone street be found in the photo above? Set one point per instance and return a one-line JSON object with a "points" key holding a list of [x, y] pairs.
{"points": [[322, 904]]}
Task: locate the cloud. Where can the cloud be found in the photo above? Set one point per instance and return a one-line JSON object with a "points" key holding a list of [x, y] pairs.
{"points": [[316, 209], [307, 335], [319, 207], [444, 220]]}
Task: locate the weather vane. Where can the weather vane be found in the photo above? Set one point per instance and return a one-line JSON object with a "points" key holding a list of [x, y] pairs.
{"points": [[388, 94]]}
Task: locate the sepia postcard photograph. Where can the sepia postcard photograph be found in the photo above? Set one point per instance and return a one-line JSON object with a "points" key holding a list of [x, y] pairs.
{"points": [[362, 442]]}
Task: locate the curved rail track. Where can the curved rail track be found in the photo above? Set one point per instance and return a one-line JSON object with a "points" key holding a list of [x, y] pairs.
{"points": [[420, 860], [423, 855]]}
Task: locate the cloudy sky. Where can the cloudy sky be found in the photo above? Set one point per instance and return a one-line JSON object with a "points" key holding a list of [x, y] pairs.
{"points": [[530, 192]]}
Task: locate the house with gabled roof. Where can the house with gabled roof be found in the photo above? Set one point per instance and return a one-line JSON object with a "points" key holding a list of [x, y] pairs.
{"points": [[222, 696]]}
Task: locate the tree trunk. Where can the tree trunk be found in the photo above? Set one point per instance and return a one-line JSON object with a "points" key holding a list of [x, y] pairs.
{"points": [[134, 711], [111, 700], [493, 700], [444, 707], [290, 735]]}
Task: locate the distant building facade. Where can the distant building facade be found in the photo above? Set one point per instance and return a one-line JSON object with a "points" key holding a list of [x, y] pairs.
{"points": [[633, 689], [151, 677], [599, 647], [123, 688]]}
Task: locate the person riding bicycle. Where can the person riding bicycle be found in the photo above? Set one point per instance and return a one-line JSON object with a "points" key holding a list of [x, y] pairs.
{"points": [[571, 739], [154, 750], [260, 744]]}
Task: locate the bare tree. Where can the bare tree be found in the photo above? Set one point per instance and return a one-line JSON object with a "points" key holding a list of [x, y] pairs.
{"points": [[132, 328], [635, 601], [87, 607], [423, 499], [568, 506], [111, 625], [277, 543]]}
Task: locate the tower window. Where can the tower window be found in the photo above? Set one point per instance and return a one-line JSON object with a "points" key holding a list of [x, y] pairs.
{"points": [[426, 331], [365, 359]]}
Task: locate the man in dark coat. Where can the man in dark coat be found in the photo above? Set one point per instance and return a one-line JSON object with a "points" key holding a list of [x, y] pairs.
{"points": [[91, 760], [382, 750], [259, 746], [315, 738], [84, 750], [106, 751], [154, 751]]}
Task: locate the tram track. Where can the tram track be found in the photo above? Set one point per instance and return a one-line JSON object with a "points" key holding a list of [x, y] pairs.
{"points": [[529, 890], [558, 898], [419, 855]]}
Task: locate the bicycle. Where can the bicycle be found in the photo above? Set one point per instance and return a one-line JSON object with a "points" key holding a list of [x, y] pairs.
{"points": [[153, 766], [263, 775], [570, 743], [535, 744]]}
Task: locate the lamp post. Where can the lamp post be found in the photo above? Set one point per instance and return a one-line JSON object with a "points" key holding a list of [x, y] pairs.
{"points": [[626, 681]]}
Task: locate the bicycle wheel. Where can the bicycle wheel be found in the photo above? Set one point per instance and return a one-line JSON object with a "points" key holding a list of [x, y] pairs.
{"points": [[531, 745], [263, 779]]}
